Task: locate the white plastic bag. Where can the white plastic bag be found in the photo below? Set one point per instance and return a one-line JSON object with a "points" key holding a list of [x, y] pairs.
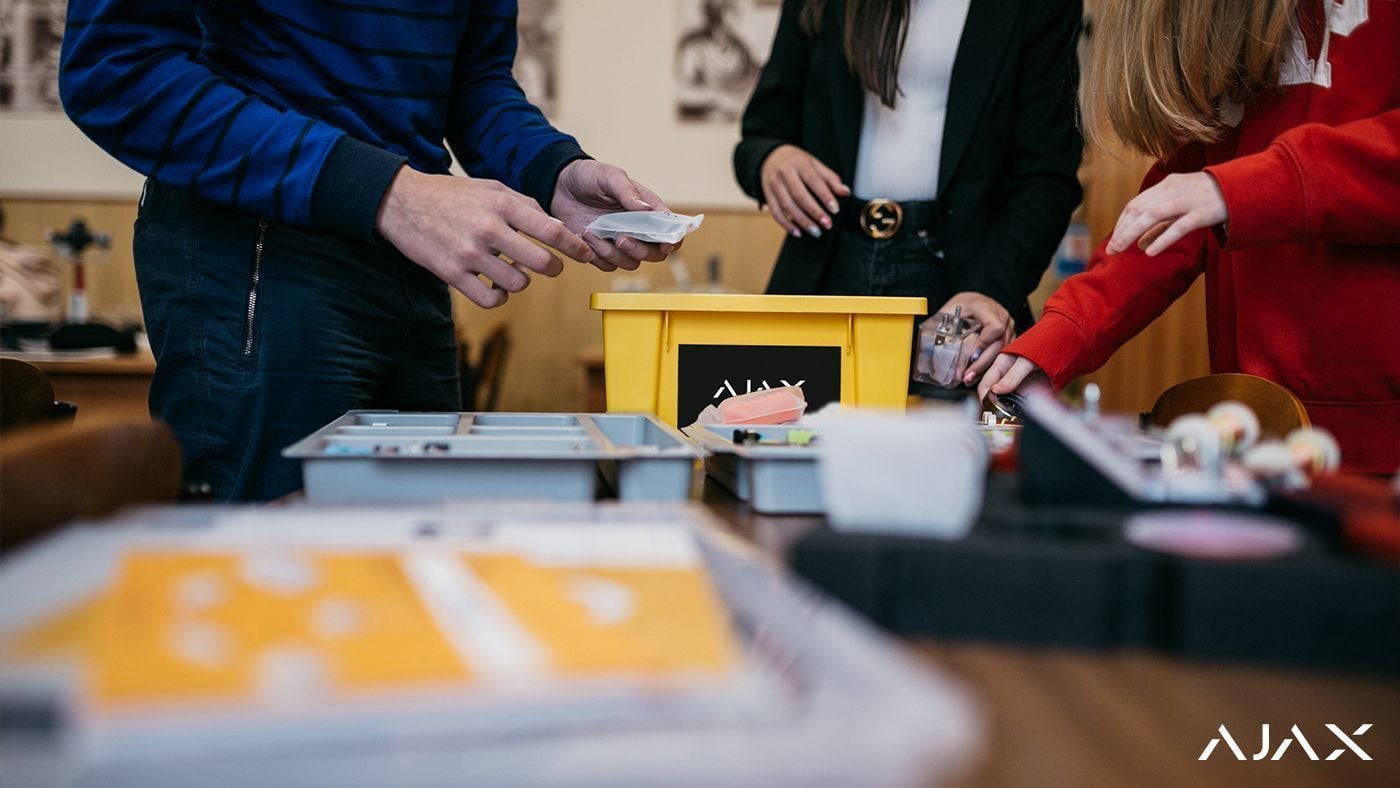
{"points": [[657, 227]]}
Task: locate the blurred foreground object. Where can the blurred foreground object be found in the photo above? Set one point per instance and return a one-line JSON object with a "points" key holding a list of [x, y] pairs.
{"points": [[522, 645], [55, 473]]}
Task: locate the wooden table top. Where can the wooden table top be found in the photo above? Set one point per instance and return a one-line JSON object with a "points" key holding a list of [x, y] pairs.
{"points": [[1084, 718], [139, 363]]}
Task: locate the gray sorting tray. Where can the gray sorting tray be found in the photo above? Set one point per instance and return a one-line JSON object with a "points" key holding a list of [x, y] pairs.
{"points": [[381, 455], [771, 479]]}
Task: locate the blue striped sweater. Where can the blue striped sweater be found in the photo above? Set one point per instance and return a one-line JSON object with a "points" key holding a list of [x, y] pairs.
{"points": [[303, 111]]}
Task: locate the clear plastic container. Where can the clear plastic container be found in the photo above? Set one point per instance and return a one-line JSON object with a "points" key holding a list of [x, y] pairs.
{"points": [[946, 342]]}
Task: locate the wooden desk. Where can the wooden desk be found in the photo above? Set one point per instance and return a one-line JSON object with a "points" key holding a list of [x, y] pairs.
{"points": [[1080, 718], [104, 388]]}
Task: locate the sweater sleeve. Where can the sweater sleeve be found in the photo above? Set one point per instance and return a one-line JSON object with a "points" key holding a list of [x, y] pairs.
{"points": [[1339, 184], [494, 130], [130, 78], [1040, 179], [773, 116], [1094, 313]]}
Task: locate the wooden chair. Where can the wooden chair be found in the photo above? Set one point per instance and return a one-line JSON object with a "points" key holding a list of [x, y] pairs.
{"points": [[491, 365], [26, 397], [54, 473], [1279, 411], [481, 382]]}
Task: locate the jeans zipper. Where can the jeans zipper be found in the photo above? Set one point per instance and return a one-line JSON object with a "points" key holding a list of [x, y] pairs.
{"points": [[253, 290]]}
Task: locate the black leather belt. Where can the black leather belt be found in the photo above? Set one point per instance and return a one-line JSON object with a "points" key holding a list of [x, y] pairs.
{"points": [[880, 218]]}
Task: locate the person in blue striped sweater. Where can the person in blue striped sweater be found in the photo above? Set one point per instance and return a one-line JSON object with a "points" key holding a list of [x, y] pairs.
{"points": [[299, 228]]}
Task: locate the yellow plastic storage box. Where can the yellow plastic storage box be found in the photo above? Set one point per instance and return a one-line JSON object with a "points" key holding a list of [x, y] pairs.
{"points": [[674, 353]]}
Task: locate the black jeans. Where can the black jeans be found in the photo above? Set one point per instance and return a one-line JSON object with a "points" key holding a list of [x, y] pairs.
{"points": [[905, 265], [264, 332]]}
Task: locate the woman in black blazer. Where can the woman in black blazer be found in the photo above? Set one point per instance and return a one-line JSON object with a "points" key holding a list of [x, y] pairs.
{"points": [[983, 234]]}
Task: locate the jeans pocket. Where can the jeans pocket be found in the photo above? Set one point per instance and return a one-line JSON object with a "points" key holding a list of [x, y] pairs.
{"points": [[248, 352]]}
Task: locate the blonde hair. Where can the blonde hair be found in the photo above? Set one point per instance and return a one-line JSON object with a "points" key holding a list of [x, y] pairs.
{"points": [[1158, 71]]}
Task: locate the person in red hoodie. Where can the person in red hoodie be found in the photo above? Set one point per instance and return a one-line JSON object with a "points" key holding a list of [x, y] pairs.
{"points": [[1277, 127]]}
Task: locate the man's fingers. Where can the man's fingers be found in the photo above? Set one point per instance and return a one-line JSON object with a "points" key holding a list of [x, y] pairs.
{"points": [[623, 190], [651, 197], [544, 228], [802, 195], [536, 258], [508, 277], [640, 250], [479, 292], [608, 252]]}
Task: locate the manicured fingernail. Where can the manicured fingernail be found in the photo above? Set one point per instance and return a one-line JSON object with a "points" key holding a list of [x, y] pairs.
{"points": [[826, 222], [976, 354], [796, 234], [834, 206], [814, 232]]}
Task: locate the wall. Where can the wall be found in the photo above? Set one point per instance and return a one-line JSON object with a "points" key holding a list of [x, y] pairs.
{"points": [[616, 95]]}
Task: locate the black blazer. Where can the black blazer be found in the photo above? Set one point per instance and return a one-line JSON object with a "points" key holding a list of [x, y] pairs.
{"points": [[1011, 148]]}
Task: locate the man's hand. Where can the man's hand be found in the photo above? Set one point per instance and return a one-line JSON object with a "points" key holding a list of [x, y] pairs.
{"points": [[1168, 212], [800, 191], [459, 227], [1007, 374], [588, 189], [998, 329]]}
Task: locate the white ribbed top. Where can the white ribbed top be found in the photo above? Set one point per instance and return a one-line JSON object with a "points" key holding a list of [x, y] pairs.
{"points": [[900, 147]]}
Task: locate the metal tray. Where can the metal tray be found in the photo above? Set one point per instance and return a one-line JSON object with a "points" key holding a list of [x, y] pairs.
{"points": [[772, 479], [381, 455]]}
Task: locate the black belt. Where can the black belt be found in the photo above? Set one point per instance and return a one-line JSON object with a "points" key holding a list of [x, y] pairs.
{"points": [[882, 218]]}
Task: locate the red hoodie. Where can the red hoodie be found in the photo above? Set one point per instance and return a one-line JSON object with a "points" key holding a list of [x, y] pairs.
{"points": [[1306, 290]]}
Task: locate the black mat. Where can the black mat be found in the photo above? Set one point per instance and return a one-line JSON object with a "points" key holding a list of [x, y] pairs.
{"points": [[1064, 576]]}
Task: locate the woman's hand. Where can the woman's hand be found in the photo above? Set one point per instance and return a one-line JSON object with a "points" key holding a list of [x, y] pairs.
{"points": [[998, 329], [800, 191], [1166, 213], [1007, 374]]}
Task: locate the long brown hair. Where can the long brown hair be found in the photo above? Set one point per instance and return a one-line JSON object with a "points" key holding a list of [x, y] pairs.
{"points": [[1158, 71], [873, 39]]}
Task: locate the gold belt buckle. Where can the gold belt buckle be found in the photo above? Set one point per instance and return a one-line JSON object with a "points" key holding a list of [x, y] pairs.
{"points": [[880, 219]]}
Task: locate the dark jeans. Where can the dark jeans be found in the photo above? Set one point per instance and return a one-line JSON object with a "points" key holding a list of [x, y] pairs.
{"points": [[257, 348], [906, 265]]}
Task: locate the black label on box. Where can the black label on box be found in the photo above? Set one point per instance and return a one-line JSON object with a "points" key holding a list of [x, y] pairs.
{"points": [[710, 374]]}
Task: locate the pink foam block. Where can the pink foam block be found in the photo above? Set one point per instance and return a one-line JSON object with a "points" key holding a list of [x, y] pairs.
{"points": [[771, 406]]}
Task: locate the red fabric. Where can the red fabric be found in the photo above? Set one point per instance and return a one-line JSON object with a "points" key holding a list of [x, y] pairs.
{"points": [[1306, 291]]}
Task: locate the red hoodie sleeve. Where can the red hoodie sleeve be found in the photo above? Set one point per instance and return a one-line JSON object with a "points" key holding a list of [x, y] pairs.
{"points": [[1094, 313], [1318, 183]]}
